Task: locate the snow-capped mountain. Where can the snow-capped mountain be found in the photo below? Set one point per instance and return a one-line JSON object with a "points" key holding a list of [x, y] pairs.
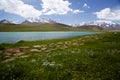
{"points": [[107, 25], [38, 20], [5, 21], [35, 21]]}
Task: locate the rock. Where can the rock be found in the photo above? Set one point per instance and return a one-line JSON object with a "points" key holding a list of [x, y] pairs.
{"points": [[83, 41], [53, 49], [37, 46], [81, 44], [67, 42], [75, 44], [43, 45], [15, 50], [48, 50], [24, 56], [58, 46], [59, 43], [65, 46], [19, 54], [7, 56], [51, 45], [43, 49], [1, 51], [35, 50], [23, 48], [87, 37], [7, 53], [8, 60], [96, 38]]}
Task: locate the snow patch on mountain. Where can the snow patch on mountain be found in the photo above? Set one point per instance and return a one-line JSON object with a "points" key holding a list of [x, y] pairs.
{"points": [[38, 20], [34, 21]]}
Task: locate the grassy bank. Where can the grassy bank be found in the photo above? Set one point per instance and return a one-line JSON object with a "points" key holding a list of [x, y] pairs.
{"points": [[91, 57]]}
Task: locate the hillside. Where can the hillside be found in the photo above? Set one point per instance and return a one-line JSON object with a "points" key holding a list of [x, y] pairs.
{"points": [[44, 27]]}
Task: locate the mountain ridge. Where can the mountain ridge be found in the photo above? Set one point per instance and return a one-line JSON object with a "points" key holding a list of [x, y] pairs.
{"points": [[103, 25], [38, 21], [5, 21]]}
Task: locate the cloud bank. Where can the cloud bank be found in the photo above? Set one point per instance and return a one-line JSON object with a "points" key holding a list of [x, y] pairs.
{"points": [[55, 7], [49, 7], [108, 14], [18, 7], [58, 7]]}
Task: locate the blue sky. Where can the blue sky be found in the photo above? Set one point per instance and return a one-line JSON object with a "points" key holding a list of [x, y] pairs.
{"points": [[64, 11]]}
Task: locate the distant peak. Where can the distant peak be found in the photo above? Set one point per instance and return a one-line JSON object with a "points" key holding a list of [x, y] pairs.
{"points": [[4, 21]]}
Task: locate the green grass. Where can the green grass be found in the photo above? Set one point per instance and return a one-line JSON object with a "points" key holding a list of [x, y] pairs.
{"points": [[97, 59]]}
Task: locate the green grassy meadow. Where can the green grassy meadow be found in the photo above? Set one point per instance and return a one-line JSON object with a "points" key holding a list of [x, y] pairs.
{"points": [[90, 57]]}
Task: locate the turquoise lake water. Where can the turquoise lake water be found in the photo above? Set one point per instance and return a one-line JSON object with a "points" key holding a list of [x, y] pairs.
{"points": [[12, 37]]}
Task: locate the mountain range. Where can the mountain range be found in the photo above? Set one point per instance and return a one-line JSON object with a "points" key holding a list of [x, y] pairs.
{"points": [[101, 24], [32, 21], [96, 25]]}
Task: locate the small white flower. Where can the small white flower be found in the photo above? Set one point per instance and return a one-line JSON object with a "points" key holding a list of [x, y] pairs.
{"points": [[51, 65], [33, 60], [45, 63]]}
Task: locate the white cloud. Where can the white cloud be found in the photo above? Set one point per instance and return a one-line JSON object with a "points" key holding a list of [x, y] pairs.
{"points": [[77, 11], [55, 7], [108, 14], [49, 7], [86, 6], [58, 7], [18, 7]]}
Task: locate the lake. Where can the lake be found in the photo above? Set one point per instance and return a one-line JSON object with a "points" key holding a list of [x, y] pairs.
{"points": [[12, 37]]}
